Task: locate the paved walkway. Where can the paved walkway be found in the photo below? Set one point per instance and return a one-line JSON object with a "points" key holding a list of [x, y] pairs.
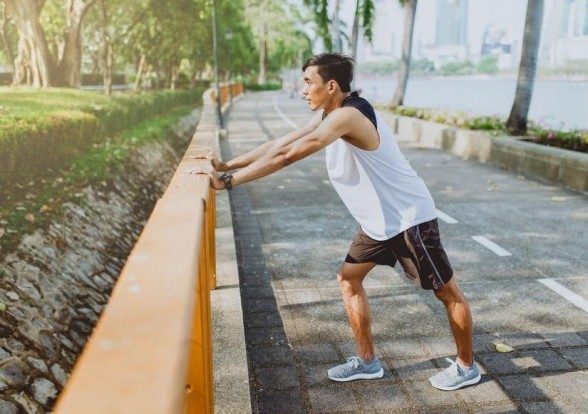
{"points": [[292, 233]]}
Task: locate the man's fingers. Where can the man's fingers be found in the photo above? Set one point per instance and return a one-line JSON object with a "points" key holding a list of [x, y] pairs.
{"points": [[206, 156], [199, 170]]}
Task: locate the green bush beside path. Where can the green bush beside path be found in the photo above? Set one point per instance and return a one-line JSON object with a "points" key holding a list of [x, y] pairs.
{"points": [[44, 130]]}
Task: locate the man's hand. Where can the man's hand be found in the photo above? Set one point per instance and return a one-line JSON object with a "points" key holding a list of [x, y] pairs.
{"points": [[218, 165], [215, 181]]}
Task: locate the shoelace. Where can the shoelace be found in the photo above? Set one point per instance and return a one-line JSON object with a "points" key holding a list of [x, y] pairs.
{"points": [[455, 366], [355, 362]]}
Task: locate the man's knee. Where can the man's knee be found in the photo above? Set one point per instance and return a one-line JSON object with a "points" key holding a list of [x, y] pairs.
{"points": [[347, 280], [449, 292]]}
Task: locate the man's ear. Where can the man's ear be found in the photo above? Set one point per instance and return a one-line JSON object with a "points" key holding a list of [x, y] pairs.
{"points": [[332, 86]]}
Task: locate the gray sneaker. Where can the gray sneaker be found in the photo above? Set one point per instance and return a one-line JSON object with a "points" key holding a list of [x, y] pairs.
{"points": [[355, 368], [455, 377]]}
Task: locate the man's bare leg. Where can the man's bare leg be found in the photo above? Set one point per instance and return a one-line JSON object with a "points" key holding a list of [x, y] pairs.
{"points": [[350, 278], [460, 320]]}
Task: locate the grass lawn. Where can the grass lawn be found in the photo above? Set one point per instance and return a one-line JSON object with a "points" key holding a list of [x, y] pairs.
{"points": [[37, 203]]}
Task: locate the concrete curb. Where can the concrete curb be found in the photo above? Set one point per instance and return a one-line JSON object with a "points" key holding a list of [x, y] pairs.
{"points": [[230, 369], [565, 167]]}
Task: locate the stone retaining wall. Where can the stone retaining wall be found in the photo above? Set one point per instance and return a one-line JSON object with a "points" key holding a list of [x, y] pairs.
{"points": [[565, 167], [56, 283]]}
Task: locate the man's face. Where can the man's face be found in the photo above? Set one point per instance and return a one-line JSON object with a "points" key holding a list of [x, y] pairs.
{"points": [[315, 91]]}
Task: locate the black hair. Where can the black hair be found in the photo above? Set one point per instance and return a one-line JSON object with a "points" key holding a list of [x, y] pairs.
{"points": [[333, 66]]}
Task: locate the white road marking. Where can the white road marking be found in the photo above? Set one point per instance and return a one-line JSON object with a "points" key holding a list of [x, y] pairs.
{"points": [[491, 245], [576, 299], [283, 115], [446, 217]]}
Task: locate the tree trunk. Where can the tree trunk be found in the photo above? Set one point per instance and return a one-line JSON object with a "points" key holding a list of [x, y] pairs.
{"points": [[5, 42], [174, 77], [337, 45], [22, 64], [139, 73], [517, 120], [70, 65], [355, 31], [262, 78], [108, 71], [26, 16], [105, 50], [409, 15], [355, 38]]}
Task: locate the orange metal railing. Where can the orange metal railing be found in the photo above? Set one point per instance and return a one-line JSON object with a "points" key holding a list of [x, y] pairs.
{"points": [[151, 350]]}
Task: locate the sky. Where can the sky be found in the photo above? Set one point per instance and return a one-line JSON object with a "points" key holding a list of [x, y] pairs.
{"points": [[505, 14]]}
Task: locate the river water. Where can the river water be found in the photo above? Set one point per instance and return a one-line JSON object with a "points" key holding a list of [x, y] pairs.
{"points": [[555, 103]]}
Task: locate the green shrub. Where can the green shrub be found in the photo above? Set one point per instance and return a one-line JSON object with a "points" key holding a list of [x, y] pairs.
{"points": [[269, 86], [486, 123], [44, 130]]}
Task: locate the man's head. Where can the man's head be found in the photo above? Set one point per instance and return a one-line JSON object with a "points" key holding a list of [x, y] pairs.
{"points": [[326, 75]]}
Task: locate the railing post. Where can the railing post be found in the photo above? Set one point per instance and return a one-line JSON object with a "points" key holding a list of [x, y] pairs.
{"points": [[199, 383], [210, 219]]}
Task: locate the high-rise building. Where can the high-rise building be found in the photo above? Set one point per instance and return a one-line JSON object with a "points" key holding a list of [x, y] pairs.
{"points": [[565, 38], [451, 24]]}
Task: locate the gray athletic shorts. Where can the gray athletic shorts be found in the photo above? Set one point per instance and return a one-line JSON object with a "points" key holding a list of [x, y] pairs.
{"points": [[418, 249]]}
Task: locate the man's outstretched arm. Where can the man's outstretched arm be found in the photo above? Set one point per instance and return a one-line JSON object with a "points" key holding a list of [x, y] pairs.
{"points": [[244, 160], [334, 126]]}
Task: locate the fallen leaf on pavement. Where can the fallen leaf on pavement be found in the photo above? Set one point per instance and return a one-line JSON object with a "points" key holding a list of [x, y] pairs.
{"points": [[503, 348]]}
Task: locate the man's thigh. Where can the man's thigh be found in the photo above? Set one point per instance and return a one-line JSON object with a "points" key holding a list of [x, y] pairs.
{"points": [[354, 272]]}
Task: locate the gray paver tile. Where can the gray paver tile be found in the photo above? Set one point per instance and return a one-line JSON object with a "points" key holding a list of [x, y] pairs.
{"points": [[260, 305], [545, 360], [347, 348], [316, 374], [501, 363], [282, 401], [306, 296], [277, 377], [387, 397], [522, 340], [402, 348], [570, 386], [576, 356], [484, 343], [413, 369], [525, 387], [263, 319], [440, 346], [504, 408], [559, 339], [426, 396], [485, 391], [543, 407], [266, 336], [267, 355], [332, 399], [320, 352]]}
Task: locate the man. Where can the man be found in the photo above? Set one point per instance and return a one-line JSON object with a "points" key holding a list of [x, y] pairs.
{"points": [[394, 208]]}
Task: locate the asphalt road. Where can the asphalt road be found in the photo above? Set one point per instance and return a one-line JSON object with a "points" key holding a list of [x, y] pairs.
{"points": [[518, 248]]}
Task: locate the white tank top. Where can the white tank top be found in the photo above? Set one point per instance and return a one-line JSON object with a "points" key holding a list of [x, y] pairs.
{"points": [[380, 188]]}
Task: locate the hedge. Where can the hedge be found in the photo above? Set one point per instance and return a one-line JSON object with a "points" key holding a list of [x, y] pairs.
{"points": [[30, 146]]}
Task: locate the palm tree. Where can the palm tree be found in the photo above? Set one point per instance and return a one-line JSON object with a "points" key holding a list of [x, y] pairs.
{"points": [[517, 120], [321, 19], [364, 10], [409, 15]]}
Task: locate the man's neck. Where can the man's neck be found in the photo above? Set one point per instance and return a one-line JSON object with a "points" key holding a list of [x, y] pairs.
{"points": [[336, 102]]}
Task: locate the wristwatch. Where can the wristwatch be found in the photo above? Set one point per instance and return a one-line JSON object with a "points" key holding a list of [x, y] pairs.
{"points": [[226, 178]]}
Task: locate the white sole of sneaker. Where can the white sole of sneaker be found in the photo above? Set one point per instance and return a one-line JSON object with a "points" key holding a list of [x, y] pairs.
{"points": [[375, 375], [456, 387]]}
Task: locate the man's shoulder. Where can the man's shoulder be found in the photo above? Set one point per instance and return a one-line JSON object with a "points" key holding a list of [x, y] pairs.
{"points": [[361, 105]]}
